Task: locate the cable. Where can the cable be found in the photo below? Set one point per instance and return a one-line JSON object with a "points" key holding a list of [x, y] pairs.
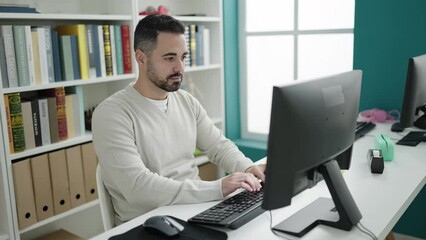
{"points": [[273, 231], [366, 231]]}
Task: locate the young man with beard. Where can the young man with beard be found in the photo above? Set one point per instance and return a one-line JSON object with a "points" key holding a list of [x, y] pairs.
{"points": [[145, 135]]}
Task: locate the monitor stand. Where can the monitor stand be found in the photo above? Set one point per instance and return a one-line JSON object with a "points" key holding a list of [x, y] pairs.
{"points": [[421, 122], [340, 211], [397, 127]]}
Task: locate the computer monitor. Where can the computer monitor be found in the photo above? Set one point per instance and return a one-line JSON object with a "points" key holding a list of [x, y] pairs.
{"points": [[312, 125], [414, 100]]}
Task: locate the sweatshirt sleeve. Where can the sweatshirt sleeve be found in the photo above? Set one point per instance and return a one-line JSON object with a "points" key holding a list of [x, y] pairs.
{"points": [[133, 187]]}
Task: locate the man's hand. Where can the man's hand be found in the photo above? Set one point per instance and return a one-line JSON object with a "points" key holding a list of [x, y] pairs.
{"points": [[238, 180], [249, 180], [258, 171]]}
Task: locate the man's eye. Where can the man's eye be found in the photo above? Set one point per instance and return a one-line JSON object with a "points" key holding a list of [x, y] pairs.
{"points": [[170, 59]]}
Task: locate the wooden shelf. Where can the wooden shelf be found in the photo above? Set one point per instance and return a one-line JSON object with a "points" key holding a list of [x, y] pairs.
{"points": [[69, 83], [72, 17], [86, 137], [193, 19], [60, 216]]}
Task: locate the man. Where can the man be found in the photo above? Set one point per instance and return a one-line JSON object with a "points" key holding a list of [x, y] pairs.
{"points": [[145, 135]]}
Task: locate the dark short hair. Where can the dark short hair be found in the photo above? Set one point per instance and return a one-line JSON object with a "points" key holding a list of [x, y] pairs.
{"points": [[149, 27]]}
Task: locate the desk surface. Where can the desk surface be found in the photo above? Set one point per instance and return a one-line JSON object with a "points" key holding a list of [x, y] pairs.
{"points": [[381, 198]]}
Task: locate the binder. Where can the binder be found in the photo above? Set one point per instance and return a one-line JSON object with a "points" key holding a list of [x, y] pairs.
{"points": [[24, 193], [90, 162], [60, 184], [42, 187], [75, 176]]}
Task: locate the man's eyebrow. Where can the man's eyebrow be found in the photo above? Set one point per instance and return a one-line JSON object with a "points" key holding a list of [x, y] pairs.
{"points": [[169, 54]]}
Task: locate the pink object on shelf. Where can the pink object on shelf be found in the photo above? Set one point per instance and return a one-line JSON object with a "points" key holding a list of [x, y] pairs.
{"points": [[160, 10], [377, 115]]}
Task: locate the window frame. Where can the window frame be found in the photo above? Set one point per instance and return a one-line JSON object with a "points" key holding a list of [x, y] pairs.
{"points": [[242, 39]]}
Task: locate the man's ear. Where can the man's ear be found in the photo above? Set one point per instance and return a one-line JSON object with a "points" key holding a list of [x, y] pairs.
{"points": [[140, 57]]}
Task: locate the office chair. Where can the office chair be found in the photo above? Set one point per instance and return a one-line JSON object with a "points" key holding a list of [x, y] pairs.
{"points": [[107, 210]]}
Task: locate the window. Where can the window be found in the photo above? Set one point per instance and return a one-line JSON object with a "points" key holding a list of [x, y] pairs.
{"points": [[285, 40]]}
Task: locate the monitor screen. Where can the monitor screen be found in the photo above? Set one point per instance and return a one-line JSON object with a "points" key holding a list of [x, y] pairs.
{"points": [[414, 101], [311, 133]]}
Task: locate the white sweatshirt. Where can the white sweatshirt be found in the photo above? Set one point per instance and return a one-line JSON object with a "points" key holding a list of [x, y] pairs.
{"points": [[146, 155]]}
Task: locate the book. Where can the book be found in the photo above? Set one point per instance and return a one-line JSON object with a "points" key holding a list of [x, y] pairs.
{"points": [[1, 80], [61, 112], [8, 123], [113, 51], [70, 115], [55, 55], [36, 56], [199, 45], [101, 50], [42, 53], [27, 120], [53, 119], [206, 46], [127, 53], [91, 49], [96, 51], [107, 50], [49, 53], [30, 55], [75, 57], [78, 30], [44, 121], [65, 55], [118, 49], [78, 113], [78, 104], [16, 123], [188, 46], [21, 55], [35, 114], [9, 50], [193, 44], [3, 67], [57, 113]]}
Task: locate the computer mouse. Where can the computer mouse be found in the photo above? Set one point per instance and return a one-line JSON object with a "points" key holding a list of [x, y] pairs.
{"points": [[163, 225]]}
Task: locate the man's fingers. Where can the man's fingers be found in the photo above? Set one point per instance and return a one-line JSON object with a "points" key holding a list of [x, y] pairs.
{"points": [[251, 180]]}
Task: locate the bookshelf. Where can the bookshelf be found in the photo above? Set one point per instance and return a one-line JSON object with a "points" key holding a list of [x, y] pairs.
{"points": [[83, 220], [205, 82]]}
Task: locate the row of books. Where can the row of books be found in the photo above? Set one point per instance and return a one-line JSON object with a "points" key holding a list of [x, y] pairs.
{"points": [[40, 55], [48, 117], [54, 182], [197, 38]]}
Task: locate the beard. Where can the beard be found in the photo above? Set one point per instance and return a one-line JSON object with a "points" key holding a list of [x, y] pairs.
{"points": [[163, 83]]}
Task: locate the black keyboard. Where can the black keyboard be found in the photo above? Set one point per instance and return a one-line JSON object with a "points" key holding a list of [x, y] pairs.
{"points": [[363, 128], [232, 212]]}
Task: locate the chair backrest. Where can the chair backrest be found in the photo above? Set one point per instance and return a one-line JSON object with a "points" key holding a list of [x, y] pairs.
{"points": [[107, 210]]}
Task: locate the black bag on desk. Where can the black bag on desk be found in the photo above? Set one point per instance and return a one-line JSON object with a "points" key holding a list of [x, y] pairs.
{"points": [[191, 232]]}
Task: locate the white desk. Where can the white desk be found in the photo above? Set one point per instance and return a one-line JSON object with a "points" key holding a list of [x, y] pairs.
{"points": [[381, 198]]}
